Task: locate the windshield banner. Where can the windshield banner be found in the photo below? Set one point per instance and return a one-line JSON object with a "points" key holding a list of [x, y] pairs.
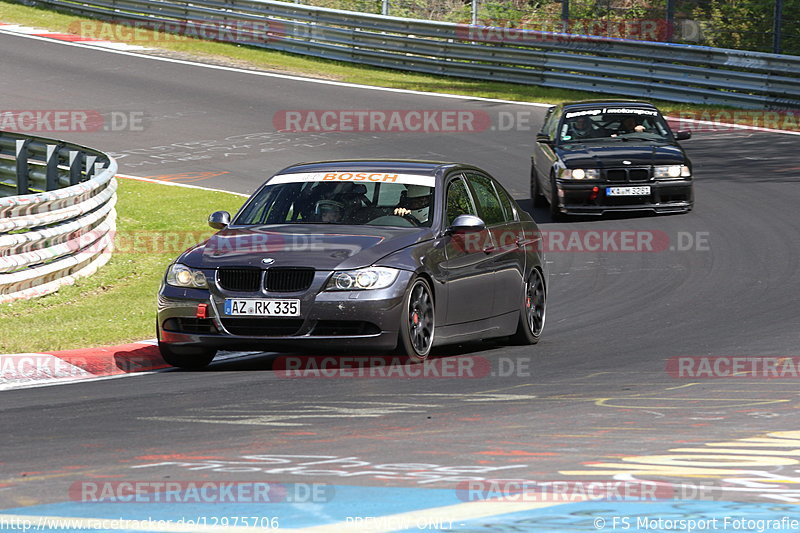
{"points": [[357, 177]]}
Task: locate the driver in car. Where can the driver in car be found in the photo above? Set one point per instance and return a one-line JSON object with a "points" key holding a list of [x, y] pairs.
{"points": [[416, 203], [630, 125], [329, 211]]}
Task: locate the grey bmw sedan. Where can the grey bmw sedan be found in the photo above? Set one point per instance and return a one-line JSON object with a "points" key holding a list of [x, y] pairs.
{"points": [[358, 255]]}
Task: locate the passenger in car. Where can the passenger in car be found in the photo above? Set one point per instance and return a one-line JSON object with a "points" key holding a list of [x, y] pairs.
{"points": [[582, 128]]}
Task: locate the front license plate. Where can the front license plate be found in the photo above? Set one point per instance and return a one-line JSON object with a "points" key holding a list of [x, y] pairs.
{"points": [[628, 191], [250, 307]]}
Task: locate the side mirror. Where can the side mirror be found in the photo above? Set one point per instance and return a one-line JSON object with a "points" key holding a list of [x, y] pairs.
{"points": [[466, 224], [219, 219], [683, 135], [543, 138]]}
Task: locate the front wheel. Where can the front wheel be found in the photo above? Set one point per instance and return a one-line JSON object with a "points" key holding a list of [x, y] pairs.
{"points": [[536, 189], [532, 311], [186, 357], [555, 213], [417, 322]]}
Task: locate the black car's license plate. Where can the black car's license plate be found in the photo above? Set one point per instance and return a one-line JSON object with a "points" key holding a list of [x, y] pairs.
{"points": [[628, 191], [262, 307]]}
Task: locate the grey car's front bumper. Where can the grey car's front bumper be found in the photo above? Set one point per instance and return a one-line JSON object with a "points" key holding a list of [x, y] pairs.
{"points": [[350, 320]]}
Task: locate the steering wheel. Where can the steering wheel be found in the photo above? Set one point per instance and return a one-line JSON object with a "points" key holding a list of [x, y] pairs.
{"points": [[411, 219], [393, 220]]}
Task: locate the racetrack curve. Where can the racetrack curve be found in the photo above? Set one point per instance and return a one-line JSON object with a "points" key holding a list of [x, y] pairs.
{"points": [[595, 389]]}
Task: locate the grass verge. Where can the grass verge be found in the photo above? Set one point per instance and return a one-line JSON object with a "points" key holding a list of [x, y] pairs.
{"points": [[155, 223]]}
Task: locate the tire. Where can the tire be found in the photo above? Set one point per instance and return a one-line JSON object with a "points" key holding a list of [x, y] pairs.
{"points": [[417, 322], [187, 357], [555, 213], [536, 189], [533, 311]]}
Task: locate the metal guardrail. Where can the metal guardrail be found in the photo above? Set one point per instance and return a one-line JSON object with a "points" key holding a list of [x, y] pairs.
{"points": [[57, 217], [673, 72]]}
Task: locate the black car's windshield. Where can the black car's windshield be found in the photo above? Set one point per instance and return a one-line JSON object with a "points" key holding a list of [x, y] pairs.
{"points": [[353, 198], [605, 123]]}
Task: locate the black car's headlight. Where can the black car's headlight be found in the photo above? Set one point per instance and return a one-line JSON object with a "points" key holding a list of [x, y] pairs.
{"points": [[179, 275], [580, 174], [362, 279], [671, 171]]}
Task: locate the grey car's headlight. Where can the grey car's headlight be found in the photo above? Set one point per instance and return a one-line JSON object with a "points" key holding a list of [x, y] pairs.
{"points": [[362, 279], [179, 275], [580, 174], [671, 171]]}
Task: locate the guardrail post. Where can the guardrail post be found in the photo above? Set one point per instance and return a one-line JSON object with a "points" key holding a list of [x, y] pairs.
{"points": [[22, 166], [75, 167], [670, 16], [90, 160], [51, 183], [777, 22]]}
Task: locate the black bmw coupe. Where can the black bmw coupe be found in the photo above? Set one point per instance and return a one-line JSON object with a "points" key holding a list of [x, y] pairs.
{"points": [[597, 156]]}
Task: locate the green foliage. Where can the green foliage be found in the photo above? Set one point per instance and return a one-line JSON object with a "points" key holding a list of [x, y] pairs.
{"points": [[740, 24]]}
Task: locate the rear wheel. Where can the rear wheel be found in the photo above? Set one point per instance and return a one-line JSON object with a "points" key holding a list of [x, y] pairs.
{"points": [[190, 358], [417, 322], [532, 312]]}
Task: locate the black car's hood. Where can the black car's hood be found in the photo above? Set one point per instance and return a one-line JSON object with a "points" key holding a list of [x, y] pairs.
{"points": [[600, 154], [319, 246]]}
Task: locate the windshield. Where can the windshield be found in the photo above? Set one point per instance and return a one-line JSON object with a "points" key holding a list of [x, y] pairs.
{"points": [[614, 123], [352, 198]]}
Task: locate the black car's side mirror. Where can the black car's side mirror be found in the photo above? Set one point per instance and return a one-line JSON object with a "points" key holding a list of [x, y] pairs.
{"points": [[683, 135], [466, 224], [219, 219], [543, 138]]}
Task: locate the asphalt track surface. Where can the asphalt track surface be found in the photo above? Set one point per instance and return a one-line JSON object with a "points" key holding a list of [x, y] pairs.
{"points": [[592, 401]]}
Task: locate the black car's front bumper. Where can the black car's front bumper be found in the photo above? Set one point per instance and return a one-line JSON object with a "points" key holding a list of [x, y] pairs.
{"points": [[336, 320], [590, 198]]}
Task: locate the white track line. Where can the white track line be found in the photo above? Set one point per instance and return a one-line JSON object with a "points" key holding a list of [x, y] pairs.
{"points": [[184, 185]]}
